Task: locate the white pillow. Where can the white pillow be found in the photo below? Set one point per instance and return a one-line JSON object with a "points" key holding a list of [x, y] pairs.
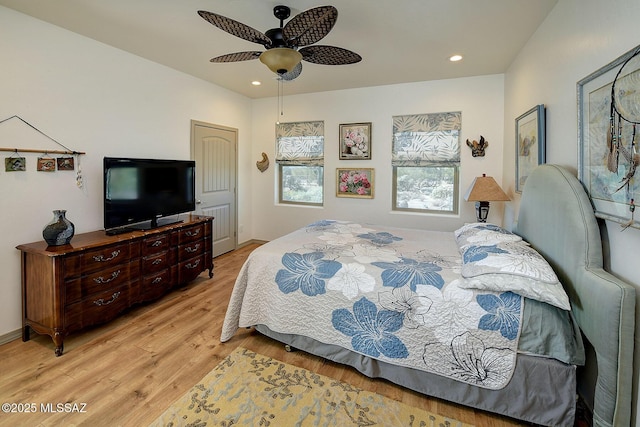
{"points": [[501, 266], [483, 234], [550, 293], [515, 258]]}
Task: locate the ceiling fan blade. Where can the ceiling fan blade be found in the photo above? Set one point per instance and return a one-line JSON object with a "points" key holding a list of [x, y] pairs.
{"points": [[329, 55], [310, 26], [237, 57], [235, 28]]}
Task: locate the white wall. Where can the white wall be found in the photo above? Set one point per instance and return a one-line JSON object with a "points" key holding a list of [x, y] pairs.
{"points": [[100, 100], [480, 99], [577, 38]]}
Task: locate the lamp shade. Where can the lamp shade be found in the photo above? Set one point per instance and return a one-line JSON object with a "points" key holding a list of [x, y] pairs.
{"points": [[281, 60], [485, 189]]}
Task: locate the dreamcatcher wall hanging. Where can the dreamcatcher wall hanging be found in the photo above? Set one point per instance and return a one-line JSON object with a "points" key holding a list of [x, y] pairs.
{"points": [[608, 138], [624, 127]]}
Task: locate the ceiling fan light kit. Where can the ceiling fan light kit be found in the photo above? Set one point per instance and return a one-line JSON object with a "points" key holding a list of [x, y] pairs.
{"points": [[288, 44], [281, 60]]}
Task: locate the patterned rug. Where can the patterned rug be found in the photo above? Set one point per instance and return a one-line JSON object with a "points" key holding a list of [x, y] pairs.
{"points": [[249, 389]]}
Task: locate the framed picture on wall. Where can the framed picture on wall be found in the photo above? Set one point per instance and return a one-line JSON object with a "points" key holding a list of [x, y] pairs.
{"points": [[15, 164], [356, 183], [355, 141], [46, 164], [608, 116], [530, 143]]}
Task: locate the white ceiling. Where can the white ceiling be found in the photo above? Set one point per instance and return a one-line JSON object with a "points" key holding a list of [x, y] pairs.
{"points": [[399, 40]]}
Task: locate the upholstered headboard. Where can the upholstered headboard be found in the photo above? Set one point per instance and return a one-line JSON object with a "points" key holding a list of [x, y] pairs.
{"points": [[556, 218]]}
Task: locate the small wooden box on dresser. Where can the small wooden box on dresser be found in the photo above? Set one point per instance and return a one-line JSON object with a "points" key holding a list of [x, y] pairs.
{"points": [[97, 276]]}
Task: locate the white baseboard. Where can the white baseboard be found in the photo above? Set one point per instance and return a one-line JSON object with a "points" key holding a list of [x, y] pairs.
{"points": [[10, 336]]}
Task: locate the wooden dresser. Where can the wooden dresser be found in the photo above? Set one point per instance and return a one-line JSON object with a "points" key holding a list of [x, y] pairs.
{"points": [[97, 277]]}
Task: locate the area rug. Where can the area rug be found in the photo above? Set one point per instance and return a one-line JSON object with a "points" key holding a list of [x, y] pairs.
{"points": [[249, 389]]}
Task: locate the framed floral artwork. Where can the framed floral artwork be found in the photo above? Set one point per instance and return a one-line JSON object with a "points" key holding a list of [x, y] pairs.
{"points": [[356, 183], [355, 141], [530, 143]]}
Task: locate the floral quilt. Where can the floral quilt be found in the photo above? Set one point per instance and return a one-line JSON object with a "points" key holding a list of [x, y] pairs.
{"points": [[388, 293]]}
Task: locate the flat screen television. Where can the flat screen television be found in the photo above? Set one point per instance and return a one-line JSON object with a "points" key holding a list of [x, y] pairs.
{"points": [[139, 193]]}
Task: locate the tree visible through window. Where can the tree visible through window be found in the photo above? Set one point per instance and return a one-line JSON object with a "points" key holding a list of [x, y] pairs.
{"points": [[300, 158], [426, 158]]}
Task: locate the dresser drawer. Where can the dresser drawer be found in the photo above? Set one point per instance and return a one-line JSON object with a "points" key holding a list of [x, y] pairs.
{"points": [[99, 259], [99, 281], [190, 269], [155, 285], [157, 262], [154, 244], [189, 250], [98, 308], [191, 234], [107, 279]]}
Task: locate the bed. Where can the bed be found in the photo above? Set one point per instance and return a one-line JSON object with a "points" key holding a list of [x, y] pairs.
{"points": [[313, 290]]}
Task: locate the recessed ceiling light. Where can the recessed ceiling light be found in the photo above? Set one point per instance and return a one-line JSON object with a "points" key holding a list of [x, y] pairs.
{"points": [[455, 58], [256, 83]]}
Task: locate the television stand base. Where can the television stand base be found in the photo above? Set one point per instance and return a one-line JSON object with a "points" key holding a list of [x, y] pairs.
{"points": [[116, 231], [143, 226]]}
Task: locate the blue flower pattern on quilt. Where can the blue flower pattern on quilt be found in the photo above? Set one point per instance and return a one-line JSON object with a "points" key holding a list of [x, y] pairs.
{"points": [[380, 238], [306, 272], [371, 330], [477, 253], [410, 271], [423, 296], [320, 225], [503, 313]]}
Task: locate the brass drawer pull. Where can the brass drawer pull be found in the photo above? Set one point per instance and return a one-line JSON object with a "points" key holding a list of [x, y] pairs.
{"points": [[102, 280], [193, 233], [101, 258], [156, 280], [101, 302], [192, 249], [194, 265], [157, 261], [157, 243]]}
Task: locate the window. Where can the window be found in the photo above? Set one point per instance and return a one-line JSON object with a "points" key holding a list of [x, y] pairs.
{"points": [[426, 159], [300, 158]]}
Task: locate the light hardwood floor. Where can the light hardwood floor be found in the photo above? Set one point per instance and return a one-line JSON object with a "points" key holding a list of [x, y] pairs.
{"points": [[130, 370]]}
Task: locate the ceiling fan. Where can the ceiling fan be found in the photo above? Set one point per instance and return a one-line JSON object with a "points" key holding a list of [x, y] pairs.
{"points": [[287, 45]]}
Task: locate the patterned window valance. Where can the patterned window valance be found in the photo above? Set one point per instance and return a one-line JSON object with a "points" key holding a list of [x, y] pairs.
{"points": [[426, 139], [300, 143]]}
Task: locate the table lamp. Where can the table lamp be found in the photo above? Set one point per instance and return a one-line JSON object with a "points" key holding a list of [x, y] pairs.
{"points": [[484, 189]]}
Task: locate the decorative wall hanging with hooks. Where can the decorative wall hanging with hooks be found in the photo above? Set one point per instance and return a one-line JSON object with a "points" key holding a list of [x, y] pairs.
{"points": [[16, 162], [31, 150]]}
